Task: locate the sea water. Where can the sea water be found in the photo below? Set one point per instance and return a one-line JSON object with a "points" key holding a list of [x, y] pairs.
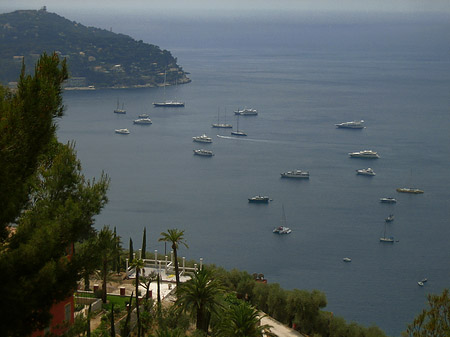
{"points": [[303, 78]]}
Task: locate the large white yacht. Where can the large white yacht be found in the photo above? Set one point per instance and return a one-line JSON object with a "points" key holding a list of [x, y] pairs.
{"points": [[298, 174], [366, 172], [202, 139], [351, 125], [364, 154], [144, 121], [204, 153], [246, 112]]}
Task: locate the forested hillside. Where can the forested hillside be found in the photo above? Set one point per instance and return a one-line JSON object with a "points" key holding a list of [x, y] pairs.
{"points": [[94, 56]]}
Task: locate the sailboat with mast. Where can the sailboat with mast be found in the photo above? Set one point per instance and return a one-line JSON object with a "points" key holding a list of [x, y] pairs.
{"points": [[221, 125], [282, 229], [118, 110], [166, 103], [238, 132], [384, 238]]}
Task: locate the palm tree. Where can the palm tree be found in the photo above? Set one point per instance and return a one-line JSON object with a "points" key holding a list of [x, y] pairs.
{"points": [[200, 297], [137, 264], [242, 320], [176, 237], [106, 243]]}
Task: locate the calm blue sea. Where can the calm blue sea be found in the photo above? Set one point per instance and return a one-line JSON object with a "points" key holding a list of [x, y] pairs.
{"points": [[303, 78]]}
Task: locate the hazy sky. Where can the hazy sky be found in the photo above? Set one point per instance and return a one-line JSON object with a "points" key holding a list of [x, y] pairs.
{"points": [[237, 7]]}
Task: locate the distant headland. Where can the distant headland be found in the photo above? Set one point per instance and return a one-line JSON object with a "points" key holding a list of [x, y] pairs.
{"points": [[96, 58]]}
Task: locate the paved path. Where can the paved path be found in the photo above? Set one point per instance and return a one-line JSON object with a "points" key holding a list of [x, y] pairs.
{"points": [[279, 329]]}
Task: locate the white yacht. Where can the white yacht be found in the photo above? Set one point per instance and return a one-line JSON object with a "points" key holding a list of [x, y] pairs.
{"points": [[169, 104], [282, 230], [351, 125], [202, 139], [144, 121], [364, 154], [122, 131], [296, 174], [388, 200], [246, 112], [204, 153], [366, 172], [347, 259], [258, 199]]}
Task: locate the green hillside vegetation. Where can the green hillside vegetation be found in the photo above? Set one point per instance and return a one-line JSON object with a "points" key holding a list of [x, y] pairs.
{"points": [[94, 56]]}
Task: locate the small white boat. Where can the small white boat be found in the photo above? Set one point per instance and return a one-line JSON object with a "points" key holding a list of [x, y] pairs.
{"points": [[202, 139], [347, 259], [246, 112], [258, 199], [122, 131], [204, 153], [390, 218], [351, 125], [369, 154], [424, 280], [420, 283], [282, 230], [143, 121], [388, 200], [296, 174], [366, 172]]}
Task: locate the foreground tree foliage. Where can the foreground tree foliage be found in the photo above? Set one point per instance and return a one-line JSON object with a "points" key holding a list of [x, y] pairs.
{"points": [[434, 321], [45, 194]]}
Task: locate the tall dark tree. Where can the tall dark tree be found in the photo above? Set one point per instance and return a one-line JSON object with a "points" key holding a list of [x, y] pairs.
{"points": [[138, 265], [27, 128], [176, 237], [144, 244], [45, 194], [130, 252]]}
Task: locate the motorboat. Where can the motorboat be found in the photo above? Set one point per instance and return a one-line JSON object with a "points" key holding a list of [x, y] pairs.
{"points": [[143, 121], [143, 116], [347, 259], [366, 172], [420, 283], [388, 200], [409, 190], [204, 153], [390, 218], [351, 125], [296, 174], [282, 230], [122, 131], [369, 154], [259, 199], [202, 139], [246, 112]]}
